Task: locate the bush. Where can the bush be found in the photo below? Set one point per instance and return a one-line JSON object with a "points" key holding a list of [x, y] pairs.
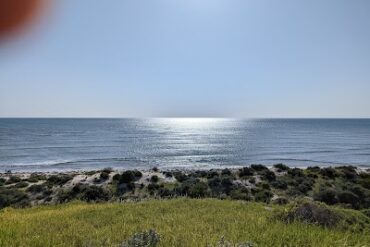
{"points": [[34, 178], [116, 177], [13, 179], [347, 197], [281, 201], [138, 174], [193, 188], [329, 172], [348, 172], [305, 186], [226, 172], [227, 183], [279, 184], [153, 187], [263, 196], [59, 179], [154, 179], [198, 190], [85, 193], [295, 172], [329, 196], [124, 187], [13, 197], [240, 194], [129, 176], [168, 174], [21, 184], [143, 239], [281, 167], [212, 174], [268, 175], [310, 213], [36, 188], [108, 170], [2, 181], [259, 167], [104, 175], [181, 177], [246, 172]]}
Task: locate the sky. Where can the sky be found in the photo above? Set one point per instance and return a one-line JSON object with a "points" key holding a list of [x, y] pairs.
{"points": [[191, 58]]}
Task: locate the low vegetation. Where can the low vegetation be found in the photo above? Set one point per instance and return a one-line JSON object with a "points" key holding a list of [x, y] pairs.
{"points": [[183, 222], [344, 186]]}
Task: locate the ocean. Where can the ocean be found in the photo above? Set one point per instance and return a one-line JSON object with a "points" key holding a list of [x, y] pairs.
{"points": [[183, 143]]}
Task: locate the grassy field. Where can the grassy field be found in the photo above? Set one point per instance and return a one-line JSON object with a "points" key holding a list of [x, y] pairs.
{"points": [[180, 222]]}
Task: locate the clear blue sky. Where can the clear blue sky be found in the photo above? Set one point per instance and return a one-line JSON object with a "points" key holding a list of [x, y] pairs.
{"points": [[193, 58]]}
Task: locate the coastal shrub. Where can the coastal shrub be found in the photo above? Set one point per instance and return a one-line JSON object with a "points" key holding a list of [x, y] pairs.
{"points": [[165, 193], [329, 172], [212, 174], [348, 172], [268, 175], [122, 188], [21, 184], [226, 172], [35, 177], [93, 193], [364, 180], [215, 185], [279, 184], [281, 167], [227, 183], [311, 213], [305, 186], [246, 172], [281, 201], [348, 197], [240, 194], [13, 179], [327, 195], [252, 180], [200, 174], [104, 175], [168, 174], [181, 177], [138, 174], [154, 179], [155, 169], [143, 239], [13, 197], [116, 177], [258, 167], [153, 187], [198, 190], [130, 176], [107, 170], [294, 192], [2, 181], [85, 193], [59, 179], [296, 172], [193, 188], [262, 195], [36, 188]]}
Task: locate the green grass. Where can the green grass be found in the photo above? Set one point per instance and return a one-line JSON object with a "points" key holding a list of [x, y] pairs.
{"points": [[180, 222]]}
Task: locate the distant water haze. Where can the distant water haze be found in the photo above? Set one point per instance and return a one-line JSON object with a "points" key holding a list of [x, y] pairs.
{"points": [[171, 143]]}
